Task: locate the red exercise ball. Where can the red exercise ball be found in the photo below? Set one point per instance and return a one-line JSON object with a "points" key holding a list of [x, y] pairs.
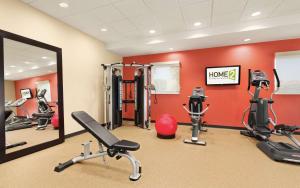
{"points": [[166, 126], [55, 121]]}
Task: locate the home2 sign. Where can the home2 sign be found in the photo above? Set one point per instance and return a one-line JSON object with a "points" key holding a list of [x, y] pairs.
{"points": [[223, 75]]}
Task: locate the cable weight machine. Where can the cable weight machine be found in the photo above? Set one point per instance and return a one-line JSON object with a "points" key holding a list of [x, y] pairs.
{"points": [[113, 94]]}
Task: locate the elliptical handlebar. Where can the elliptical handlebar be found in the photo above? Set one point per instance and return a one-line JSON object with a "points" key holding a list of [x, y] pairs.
{"points": [[277, 78], [195, 113], [249, 79]]}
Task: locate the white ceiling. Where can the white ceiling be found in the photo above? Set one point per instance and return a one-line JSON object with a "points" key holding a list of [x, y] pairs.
{"points": [[23, 61], [224, 22]]}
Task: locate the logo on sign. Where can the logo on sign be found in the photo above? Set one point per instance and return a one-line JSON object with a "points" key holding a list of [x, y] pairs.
{"points": [[229, 74]]}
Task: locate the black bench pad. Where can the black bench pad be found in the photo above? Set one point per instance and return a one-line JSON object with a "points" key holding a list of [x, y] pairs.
{"points": [[102, 134], [127, 145]]}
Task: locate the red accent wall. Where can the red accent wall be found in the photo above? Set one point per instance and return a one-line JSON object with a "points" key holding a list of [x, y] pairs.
{"points": [[226, 102], [31, 104]]}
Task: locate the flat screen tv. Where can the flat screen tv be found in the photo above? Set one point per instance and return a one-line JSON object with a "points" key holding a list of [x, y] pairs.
{"points": [[26, 93], [226, 75]]}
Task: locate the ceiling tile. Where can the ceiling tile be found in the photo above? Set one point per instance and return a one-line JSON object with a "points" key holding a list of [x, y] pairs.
{"points": [[131, 8], [162, 5], [75, 6], [228, 18], [287, 7], [226, 7], [196, 12], [122, 26], [146, 21], [107, 14], [264, 6], [187, 2]]}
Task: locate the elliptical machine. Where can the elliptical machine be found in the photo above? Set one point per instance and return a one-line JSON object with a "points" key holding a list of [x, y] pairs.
{"points": [[45, 112], [196, 113], [258, 125]]}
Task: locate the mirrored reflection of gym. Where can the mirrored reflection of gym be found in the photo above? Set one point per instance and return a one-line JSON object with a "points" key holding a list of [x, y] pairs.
{"points": [[30, 85]]}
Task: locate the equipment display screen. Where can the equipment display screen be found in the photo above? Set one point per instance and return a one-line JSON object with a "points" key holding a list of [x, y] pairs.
{"points": [[229, 75]]}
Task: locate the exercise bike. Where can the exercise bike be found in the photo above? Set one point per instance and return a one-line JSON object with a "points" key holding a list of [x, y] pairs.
{"points": [[261, 126], [196, 113]]}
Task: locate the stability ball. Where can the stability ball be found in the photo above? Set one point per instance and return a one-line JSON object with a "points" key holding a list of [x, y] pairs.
{"points": [[55, 121], [166, 126]]}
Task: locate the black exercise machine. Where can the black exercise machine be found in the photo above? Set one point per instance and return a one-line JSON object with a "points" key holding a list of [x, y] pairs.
{"points": [[113, 103], [14, 122], [196, 113], [258, 125], [45, 112], [115, 147]]}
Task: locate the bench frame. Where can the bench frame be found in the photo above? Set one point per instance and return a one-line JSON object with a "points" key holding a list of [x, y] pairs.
{"points": [[87, 154]]}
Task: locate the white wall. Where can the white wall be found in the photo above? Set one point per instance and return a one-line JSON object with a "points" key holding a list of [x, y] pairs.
{"points": [[82, 56]]}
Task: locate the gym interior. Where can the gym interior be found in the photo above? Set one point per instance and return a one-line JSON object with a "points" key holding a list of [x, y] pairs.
{"points": [[149, 93]]}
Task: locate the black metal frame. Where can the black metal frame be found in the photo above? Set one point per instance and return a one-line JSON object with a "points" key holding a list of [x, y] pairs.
{"points": [[239, 66], [13, 155]]}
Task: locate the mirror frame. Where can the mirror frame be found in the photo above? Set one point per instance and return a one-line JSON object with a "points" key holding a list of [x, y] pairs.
{"points": [[4, 157]]}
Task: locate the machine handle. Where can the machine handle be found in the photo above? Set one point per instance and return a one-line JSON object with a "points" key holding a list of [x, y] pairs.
{"points": [[249, 79], [194, 113], [277, 78]]}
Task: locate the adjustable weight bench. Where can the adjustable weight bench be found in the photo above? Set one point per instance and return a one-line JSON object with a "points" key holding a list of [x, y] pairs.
{"points": [[115, 147]]}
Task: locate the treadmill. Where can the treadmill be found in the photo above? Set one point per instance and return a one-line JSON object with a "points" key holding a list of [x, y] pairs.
{"points": [[7, 115], [14, 122]]}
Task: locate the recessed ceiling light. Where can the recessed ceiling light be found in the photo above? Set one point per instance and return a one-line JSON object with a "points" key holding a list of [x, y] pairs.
{"points": [[171, 49], [246, 40], [27, 62], [63, 5], [51, 63], [20, 70], [152, 31], [197, 24], [7, 74], [155, 41], [12, 66], [44, 57], [256, 13], [103, 29], [35, 67]]}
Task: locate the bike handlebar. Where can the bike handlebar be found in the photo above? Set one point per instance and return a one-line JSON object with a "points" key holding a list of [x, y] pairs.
{"points": [[195, 113]]}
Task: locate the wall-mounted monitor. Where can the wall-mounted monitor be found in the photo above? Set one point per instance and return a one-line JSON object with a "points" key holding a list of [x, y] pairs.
{"points": [[26, 93], [226, 75]]}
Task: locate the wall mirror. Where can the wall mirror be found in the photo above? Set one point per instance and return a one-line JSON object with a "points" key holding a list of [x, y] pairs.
{"points": [[31, 98]]}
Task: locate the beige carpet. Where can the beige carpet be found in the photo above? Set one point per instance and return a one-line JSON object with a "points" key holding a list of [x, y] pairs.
{"points": [[229, 160], [31, 136]]}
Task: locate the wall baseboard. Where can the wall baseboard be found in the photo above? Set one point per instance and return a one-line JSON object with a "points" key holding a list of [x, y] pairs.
{"points": [[207, 125], [179, 123], [75, 134]]}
